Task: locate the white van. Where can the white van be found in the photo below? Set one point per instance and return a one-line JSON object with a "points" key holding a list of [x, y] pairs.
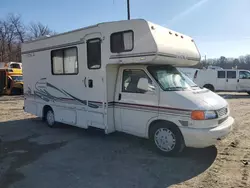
{"points": [[230, 80], [120, 76]]}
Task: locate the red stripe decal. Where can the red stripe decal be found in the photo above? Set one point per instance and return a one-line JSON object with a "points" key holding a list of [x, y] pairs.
{"points": [[149, 106]]}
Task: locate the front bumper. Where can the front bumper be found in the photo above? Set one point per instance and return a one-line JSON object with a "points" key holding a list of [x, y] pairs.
{"points": [[204, 137]]}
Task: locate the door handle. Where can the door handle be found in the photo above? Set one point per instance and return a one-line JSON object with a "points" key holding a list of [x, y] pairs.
{"points": [[85, 82], [119, 97], [90, 83]]}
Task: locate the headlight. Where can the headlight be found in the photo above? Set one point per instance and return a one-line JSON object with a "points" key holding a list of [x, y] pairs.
{"points": [[203, 115], [210, 115]]}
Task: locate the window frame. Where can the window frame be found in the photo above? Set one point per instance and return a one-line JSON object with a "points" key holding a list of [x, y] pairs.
{"points": [[133, 69], [63, 52], [232, 71], [121, 32], [87, 42], [224, 74]]}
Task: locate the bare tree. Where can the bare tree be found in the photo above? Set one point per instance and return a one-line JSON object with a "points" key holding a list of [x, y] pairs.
{"points": [[16, 21], [13, 32], [37, 30], [3, 39]]}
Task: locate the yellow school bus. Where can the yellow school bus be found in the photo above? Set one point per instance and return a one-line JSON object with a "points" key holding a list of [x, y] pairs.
{"points": [[11, 81]]}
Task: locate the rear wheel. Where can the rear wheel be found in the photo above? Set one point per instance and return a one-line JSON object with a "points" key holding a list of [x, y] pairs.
{"points": [[167, 139], [50, 118]]}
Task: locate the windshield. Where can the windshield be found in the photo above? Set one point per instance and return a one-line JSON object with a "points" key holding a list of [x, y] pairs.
{"points": [[169, 78], [17, 78]]}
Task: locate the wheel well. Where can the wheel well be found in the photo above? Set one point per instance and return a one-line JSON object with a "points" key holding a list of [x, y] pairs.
{"points": [[157, 122], [46, 108], [209, 86]]}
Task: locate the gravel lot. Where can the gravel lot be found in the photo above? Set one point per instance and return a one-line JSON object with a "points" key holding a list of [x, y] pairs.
{"points": [[35, 156]]}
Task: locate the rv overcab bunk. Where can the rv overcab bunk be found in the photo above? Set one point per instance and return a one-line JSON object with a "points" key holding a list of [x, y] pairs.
{"points": [[121, 76]]}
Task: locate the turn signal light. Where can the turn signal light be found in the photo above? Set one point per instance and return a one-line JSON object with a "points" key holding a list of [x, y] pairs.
{"points": [[198, 115]]}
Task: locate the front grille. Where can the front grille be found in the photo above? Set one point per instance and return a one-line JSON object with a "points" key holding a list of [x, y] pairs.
{"points": [[222, 112]]}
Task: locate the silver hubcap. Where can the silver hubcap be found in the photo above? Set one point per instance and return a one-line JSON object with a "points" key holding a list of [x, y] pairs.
{"points": [[165, 139], [50, 118]]}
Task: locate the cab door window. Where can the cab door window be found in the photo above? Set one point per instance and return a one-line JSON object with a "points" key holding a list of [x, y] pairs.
{"points": [[131, 79], [244, 75]]}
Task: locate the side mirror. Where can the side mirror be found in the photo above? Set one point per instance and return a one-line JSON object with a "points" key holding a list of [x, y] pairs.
{"points": [[143, 84]]}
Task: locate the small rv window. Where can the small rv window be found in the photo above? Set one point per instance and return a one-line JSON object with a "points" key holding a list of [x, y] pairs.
{"points": [[70, 61], [122, 41], [57, 61], [221, 74], [94, 53], [231, 74], [64, 61]]}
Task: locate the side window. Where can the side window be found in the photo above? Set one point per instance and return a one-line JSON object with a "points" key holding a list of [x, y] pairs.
{"points": [[94, 53], [221, 74], [64, 61], [231, 74], [122, 41], [15, 66], [130, 80], [244, 75]]}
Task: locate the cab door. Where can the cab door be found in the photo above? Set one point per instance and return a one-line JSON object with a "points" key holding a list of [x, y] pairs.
{"points": [[244, 80], [137, 106]]}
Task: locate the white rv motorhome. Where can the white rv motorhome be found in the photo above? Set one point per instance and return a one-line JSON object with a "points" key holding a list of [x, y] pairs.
{"points": [[121, 76]]}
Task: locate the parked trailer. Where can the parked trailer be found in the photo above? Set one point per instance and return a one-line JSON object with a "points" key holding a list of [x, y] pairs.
{"points": [[121, 76]]}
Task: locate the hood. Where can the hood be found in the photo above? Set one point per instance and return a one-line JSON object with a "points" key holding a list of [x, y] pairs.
{"points": [[200, 99]]}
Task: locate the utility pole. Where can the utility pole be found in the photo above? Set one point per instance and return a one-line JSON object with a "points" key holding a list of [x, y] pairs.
{"points": [[128, 9]]}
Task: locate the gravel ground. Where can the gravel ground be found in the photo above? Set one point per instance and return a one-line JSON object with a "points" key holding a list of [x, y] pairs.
{"points": [[35, 156]]}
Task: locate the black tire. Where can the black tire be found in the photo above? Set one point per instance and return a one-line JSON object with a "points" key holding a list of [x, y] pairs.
{"points": [[209, 86], [50, 118], [175, 133]]}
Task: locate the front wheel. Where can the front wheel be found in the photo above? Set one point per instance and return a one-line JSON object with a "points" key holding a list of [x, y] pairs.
{"points": [[50, 118], [167, 139]]}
